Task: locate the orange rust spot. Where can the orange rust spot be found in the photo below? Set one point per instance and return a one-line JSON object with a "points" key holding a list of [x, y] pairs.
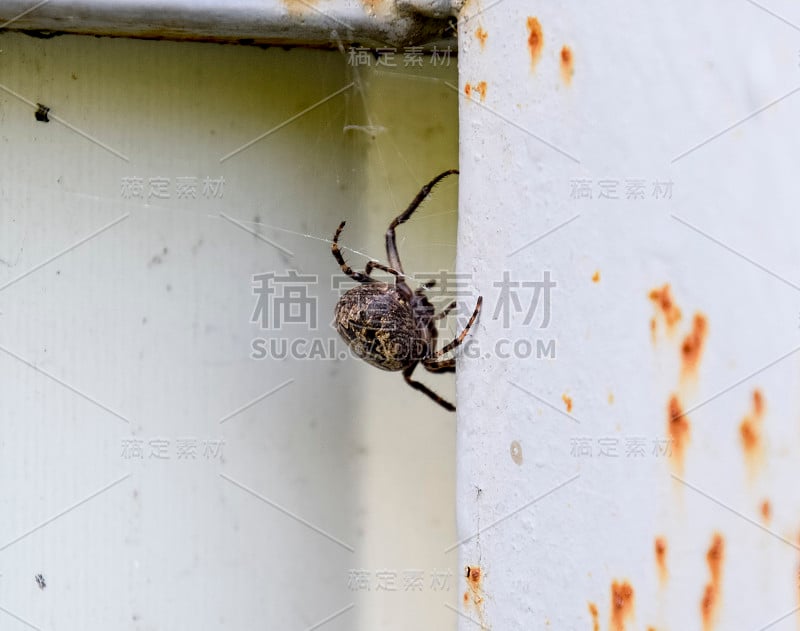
{"points": [[611, 398], [661, 558], [596, 277], [666, 307], [678, 428], [766, 511], [750, 431], [567, 402], [481, 34], [535, 40], [567, 64], [758, 402], [474, 593], [709, 605], [692, 347], [479, 87], [595, 617], [621, 604]]}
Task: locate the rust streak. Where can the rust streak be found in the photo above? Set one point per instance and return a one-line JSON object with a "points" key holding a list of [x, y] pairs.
{"points": [[661, 558], [750, 432], [665, 307], [567, 64], [709, 605], [693, 343], [678, 428], [596, 277], [595, 617], [766, 511], [473, 596], [535, 40], [567, 401], [621, 605], [481, 34]]}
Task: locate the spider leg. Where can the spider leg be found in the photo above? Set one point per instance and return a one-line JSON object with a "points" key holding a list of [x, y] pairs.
{"points": [[456, 342], [424, 389], [358, 276], [445, 311], [445, 365], [391, 243], [375, 265]]}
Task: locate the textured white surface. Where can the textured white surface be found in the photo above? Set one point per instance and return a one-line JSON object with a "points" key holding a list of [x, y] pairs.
{"points": [[152, 319], [650, 83]]}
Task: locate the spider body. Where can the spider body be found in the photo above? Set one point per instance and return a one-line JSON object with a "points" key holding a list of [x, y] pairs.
{"points": [[391, 326], [383, 328]]}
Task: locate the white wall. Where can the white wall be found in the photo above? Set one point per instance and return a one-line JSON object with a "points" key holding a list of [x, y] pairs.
{"points": [[143, 332], [650, 83]]}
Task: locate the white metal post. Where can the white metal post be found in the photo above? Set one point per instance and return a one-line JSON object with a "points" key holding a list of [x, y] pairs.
{"points": [[632, 462]]}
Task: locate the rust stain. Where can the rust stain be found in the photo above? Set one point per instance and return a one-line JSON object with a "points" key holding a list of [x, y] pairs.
{"points": [[479, 87], [474, 593], [535, 40], [567, 64], [766, 511], [693, 343], [661, 558], [611, 398], [595, 617], [665, 307], [297, 7], [750, 432], [481, 34], [516, 452], [596, 277], [621, 605], [709, 606], [678, 428], [567, 402]]}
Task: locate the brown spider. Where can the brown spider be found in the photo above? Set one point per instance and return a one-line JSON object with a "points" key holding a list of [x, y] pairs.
{"points": [[393, 327]]}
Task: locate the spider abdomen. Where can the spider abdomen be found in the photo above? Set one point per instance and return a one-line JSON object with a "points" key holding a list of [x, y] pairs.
{"points": [[379, 327]]}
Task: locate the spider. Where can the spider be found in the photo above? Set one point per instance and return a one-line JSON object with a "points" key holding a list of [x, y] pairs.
{"points": [[391, 326]]}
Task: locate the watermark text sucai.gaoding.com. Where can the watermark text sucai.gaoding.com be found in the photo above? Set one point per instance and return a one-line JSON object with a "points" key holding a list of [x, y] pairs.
{"points": [[327, 348], [287, 306]]}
